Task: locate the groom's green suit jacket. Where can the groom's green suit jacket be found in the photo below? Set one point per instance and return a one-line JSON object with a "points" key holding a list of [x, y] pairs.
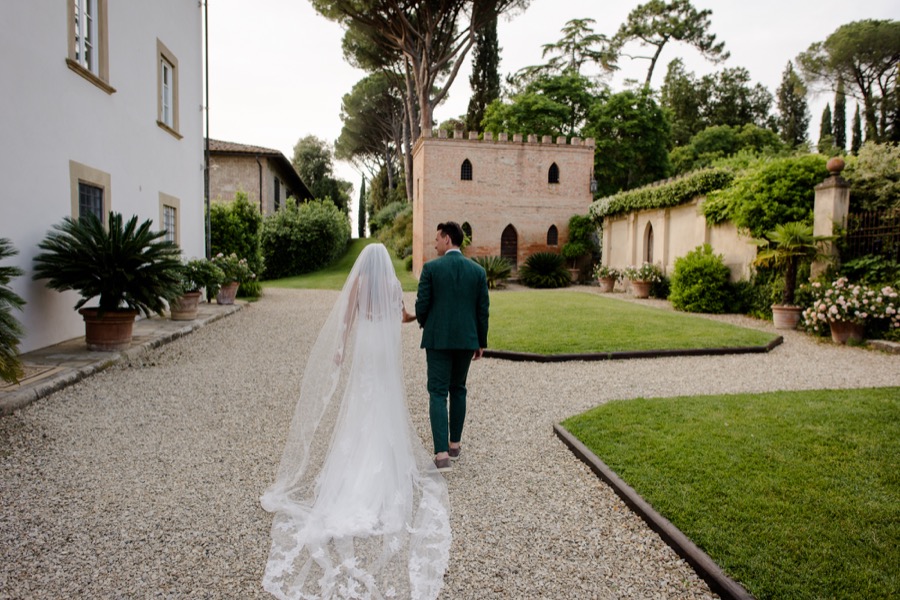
{"points": [[452, 304]]}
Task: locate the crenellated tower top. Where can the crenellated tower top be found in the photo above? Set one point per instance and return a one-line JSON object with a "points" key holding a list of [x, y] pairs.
{"points": [[517, 138]]}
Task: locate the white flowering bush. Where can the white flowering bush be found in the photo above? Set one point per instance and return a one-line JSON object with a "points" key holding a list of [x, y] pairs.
{"points": [[852, 302], [646, 272]]}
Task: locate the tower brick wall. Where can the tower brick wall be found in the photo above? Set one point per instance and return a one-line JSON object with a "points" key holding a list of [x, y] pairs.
{"points": [[510, 187]]}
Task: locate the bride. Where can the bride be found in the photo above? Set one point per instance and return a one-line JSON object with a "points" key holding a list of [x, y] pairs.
{"points": [[360, 510]]}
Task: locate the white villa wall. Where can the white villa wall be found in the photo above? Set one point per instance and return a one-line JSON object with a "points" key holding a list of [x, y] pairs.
{"points": [[52, 115], [676, 231]]}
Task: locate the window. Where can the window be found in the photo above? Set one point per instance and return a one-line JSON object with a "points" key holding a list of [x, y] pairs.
{"points": [[648, 244], [467, 229], [509, 245], [90, 201], [167, 88], [90, 191], [88, 50], [169, 217], [465, 172], [277, 194], [166, 73], [553, 174], [553, 236]]}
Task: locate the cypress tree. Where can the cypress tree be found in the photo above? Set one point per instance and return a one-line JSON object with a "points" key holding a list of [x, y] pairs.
{"points": [[361, 210], [485, 78], [794, 112], [856, 139], [826, 136], [840, 117]]}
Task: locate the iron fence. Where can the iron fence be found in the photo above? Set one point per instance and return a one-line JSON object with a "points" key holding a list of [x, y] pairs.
{"points": [[872, 233]]}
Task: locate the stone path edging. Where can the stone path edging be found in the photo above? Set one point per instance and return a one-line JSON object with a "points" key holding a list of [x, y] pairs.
{"points": [[705, 567], [590, 356]]}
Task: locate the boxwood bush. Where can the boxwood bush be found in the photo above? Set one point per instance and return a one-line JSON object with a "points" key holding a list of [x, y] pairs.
{"points": [[700, 282], [303, 238]]}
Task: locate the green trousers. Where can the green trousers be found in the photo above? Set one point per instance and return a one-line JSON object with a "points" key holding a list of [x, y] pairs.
{"points": [[447, 371]]}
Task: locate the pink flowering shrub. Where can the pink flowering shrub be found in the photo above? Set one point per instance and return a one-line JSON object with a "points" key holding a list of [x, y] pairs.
{"points": [[852, 302]]}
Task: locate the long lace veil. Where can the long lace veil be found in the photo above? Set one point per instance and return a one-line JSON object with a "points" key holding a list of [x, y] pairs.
{"points": [[359, 509]]}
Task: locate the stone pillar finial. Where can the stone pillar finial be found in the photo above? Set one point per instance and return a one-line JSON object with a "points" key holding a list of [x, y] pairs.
{"points": [[835, 165]]}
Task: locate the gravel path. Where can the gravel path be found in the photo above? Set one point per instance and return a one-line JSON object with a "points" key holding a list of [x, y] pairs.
{"points": [[143, 481]]}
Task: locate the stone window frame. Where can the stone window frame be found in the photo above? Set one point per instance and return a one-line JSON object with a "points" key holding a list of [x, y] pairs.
{"points": [[167, 201], [97, 71], [169, 122], [79, 173]]}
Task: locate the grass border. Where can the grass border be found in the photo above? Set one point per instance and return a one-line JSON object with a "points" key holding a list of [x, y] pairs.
{"points": [[706, 568]]}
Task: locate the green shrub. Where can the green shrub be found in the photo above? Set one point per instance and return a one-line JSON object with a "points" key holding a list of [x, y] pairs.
{"points": [[545, 270], [497, 269], [581, 238], [303, 238], [407, 262], [396, 235], [873, 270], [773, 193], [235, 227], [700, 282], [250, 289], [672, 193]]}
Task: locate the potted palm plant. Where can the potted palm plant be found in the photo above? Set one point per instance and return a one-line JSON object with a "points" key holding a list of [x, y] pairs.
{"points": [[10, 329], [784, 248], [196, 275], [129, 268]]}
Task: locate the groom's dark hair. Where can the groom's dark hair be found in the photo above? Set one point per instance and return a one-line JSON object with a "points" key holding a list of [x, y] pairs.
{"points": [[452, 229]]}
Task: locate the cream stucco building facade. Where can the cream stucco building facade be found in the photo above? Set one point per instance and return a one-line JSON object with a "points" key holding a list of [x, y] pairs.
{"points": [[102, 111]]}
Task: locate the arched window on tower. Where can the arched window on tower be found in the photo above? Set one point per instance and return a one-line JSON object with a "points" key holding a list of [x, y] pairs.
{"points": [[553, 236], [509, 245], [553, 174], [465, 171], [648, 244], [467, 229]]}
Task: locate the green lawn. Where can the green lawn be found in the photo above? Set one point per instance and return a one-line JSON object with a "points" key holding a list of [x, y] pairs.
{"points": [[334, 276], [563, 322], [794, 494]]}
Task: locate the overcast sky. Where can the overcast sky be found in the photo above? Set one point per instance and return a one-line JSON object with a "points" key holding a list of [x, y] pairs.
{"points": [[277, 72]]}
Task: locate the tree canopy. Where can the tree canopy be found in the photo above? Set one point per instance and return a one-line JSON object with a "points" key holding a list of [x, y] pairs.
{"points": [[863, 54], [656, 23], [313, 161]]}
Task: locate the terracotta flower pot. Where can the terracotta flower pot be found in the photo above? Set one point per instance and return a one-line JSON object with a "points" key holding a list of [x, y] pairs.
{"points": [[641, 289], [845, 331], [185, 308], [607, 284], [108, 331], [227, 293], [786, 317]]}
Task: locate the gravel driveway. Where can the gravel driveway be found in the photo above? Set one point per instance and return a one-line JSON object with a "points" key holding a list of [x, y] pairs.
{"points": [[143, 480]]}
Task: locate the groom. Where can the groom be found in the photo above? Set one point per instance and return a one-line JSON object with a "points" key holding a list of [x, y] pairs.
{"points": [[452, 308]]}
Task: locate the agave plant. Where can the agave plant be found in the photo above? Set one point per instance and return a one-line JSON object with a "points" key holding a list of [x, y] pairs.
{"points": [[497, 269], [128, 266], [545, 270], [10, 329]]}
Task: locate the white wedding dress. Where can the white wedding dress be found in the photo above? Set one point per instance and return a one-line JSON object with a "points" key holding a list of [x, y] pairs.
{"points": [[360, 510]]}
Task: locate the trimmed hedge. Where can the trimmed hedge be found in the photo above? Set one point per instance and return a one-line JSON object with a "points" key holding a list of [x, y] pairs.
{"points": [[673, 193]]}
